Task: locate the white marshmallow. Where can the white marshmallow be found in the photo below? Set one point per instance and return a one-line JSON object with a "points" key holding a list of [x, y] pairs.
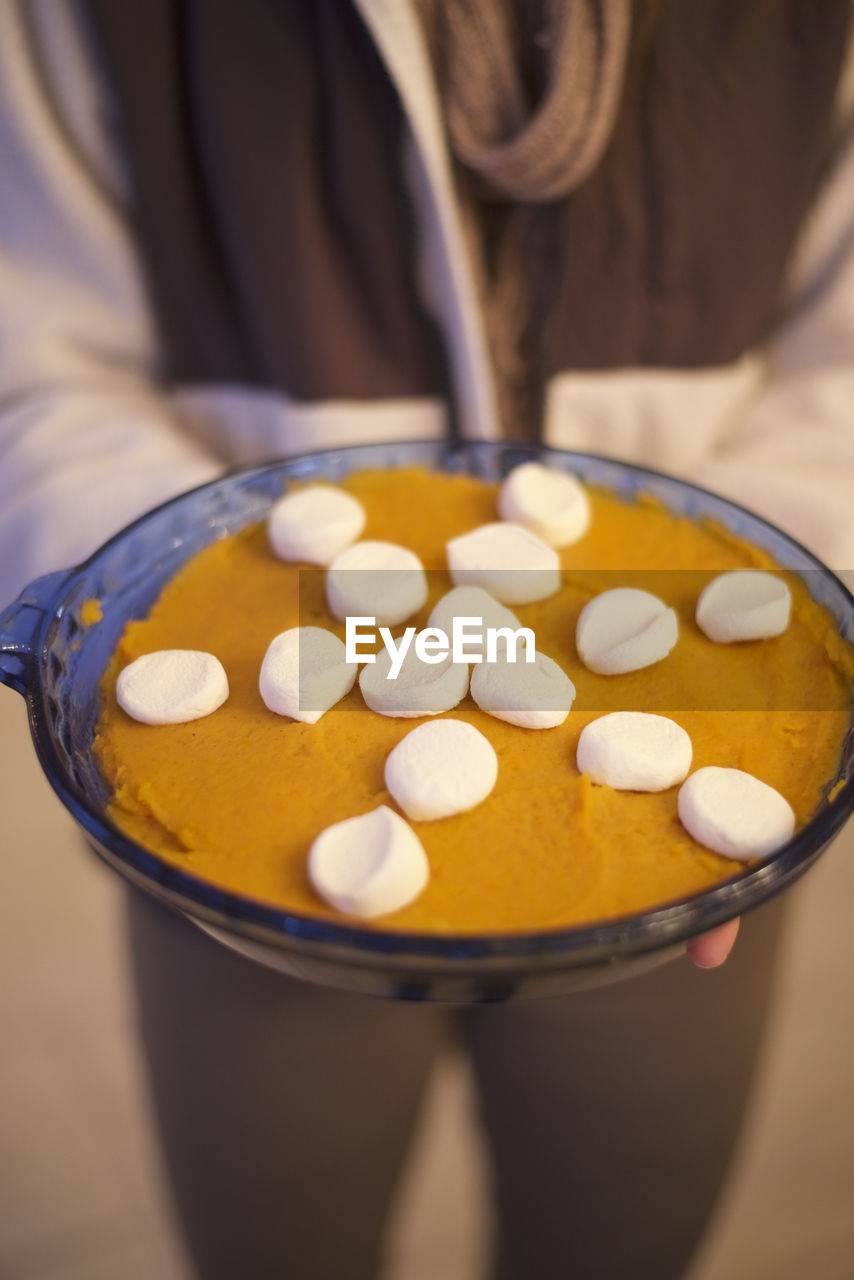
{"points": [[734, 814], [419, 689], [745, 604], [623, 630], [510, 562], [377, 580], [171, 686], [370, 865], [314, 524], [634, 751], [552, 504], [304, 673], [471, 602], [532, 695], [441, 768]]}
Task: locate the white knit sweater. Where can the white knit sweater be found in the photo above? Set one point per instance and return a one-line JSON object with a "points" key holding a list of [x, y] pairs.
{"points": [[89, 439]]}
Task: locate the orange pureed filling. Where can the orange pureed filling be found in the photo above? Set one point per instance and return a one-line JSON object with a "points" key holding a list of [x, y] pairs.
{"points": [[237, 798]]}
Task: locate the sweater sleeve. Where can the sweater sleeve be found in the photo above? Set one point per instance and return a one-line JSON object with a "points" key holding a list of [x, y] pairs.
{"points": [[790, 456], [88, 440]]}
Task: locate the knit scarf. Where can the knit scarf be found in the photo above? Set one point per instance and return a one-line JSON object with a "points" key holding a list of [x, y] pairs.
{"points": [[530, 93]]}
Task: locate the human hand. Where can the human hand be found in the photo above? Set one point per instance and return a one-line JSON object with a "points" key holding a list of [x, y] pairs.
{"points": [[709, 950]]}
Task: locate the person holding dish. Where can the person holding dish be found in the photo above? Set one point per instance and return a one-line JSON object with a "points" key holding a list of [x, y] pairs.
{"points": [[235, 231]]}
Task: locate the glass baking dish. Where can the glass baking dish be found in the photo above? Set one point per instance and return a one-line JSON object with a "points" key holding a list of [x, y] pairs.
{"points": [[56, 663]]}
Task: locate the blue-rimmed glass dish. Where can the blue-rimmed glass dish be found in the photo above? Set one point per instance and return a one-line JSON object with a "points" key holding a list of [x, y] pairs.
{"points": [[57, 663]]}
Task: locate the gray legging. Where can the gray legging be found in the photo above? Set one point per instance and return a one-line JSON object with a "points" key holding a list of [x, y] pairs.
{"points": [[285, 1109]]}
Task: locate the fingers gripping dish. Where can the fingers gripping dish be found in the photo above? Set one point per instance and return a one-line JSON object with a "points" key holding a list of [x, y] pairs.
{"points": [[560, 835]]}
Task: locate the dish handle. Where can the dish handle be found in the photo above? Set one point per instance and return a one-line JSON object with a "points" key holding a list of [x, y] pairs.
{"points": [[20, 626]]}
